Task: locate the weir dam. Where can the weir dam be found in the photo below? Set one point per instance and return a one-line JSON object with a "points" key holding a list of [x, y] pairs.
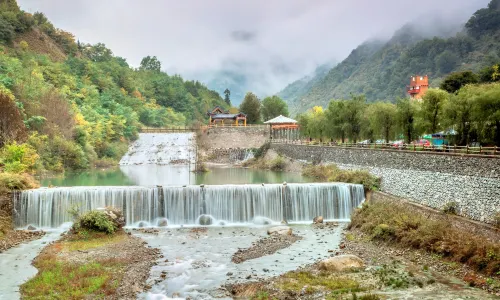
{"points": [[184, 205]]}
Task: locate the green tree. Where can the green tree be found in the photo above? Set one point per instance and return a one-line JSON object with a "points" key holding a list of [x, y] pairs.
{"points": [[98, 52], [6, 30], [453, 82], [251, 107], [446, 61], [459, 114], [272, 107], [488, 112], [336, 127], [382, 117], [149, 63], [431, 109], [407, 112], [227, 97], [353, 116]]}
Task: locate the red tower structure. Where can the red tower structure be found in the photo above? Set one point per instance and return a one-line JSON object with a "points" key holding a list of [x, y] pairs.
{"points": [[418, 86]]}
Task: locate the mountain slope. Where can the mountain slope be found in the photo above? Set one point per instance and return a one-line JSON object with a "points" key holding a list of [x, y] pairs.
{"points": [[381, 70], [80, 104], [293, 92]]}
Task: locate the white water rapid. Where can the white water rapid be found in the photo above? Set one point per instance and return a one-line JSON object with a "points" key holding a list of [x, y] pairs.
{"points": [[184, 205], [161, 149]]}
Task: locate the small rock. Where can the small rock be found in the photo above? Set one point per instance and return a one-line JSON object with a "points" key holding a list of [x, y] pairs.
{"points": [[265, 270], [341, 263], [142, 224], [205, 220], [248, 277], [162, 222], [284, 222], [280, 230], [31, 227], [229, 274], [342, 245], [318, 220]]}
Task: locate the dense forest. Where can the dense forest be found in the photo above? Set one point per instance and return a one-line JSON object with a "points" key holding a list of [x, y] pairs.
{"points": [[72, 105], [381, 70]]}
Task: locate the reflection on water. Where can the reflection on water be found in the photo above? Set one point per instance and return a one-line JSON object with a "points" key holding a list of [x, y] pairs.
{"points": [[147, 175]]}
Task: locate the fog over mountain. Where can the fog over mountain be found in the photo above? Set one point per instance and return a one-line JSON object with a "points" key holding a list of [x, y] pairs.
{"points": [[258, 46]]}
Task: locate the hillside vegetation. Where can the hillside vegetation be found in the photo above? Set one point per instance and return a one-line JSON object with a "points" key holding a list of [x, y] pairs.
{"points": [[66, 105], [381, 70]]}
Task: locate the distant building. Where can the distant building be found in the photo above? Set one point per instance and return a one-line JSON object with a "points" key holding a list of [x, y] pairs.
{"points": [[418, 86], [218, 116]]}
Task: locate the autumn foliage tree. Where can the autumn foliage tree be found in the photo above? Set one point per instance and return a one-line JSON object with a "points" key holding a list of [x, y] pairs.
{"points": [[11, 123]]}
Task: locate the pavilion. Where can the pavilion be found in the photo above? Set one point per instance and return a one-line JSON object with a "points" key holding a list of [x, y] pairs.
{"points": [[283, 127], [219, 116]]}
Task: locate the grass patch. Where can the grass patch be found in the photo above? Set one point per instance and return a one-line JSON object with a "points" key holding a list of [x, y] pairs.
{"points": [[60, 279], [333, 173], [398, 223], [296, 281], [85, 240]]}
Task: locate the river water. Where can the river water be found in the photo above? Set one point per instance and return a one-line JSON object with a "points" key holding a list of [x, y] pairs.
{"points": [[198, 264], [147, 175]]}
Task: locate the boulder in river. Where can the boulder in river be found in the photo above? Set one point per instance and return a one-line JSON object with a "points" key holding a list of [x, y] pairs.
{"points": [[284, 222], [31, 227], [205, 220], [280, 230], [318, 220], [341, 263], [142, 224], [162, 222]]}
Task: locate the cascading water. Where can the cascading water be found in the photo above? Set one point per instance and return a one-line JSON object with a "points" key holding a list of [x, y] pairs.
{"points": [[49, 207]]}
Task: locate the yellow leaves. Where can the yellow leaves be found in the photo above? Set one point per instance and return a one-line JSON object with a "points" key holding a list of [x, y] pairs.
{"points": [[124, 92], [24, 45], [80, 119], [317, 110], [496, 74], [5, 91]]}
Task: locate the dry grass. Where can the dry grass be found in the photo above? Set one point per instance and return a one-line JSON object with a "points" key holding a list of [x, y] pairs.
{"points": [[395, 222], [59, 278], [313, 283]]}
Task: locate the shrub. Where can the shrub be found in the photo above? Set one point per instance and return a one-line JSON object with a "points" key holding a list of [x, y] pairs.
{"points": [[333, 173], [277, 164], [398, 222], [451, 208], [10, 181], [18, 158], [108, 221], [262, 150]]}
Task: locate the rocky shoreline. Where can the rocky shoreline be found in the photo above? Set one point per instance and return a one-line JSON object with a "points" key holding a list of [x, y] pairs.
{"points": [[14, 238], [265, 246]]}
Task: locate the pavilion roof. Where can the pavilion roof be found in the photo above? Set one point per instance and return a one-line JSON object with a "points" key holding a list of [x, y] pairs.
{"points": [[281, 120]]}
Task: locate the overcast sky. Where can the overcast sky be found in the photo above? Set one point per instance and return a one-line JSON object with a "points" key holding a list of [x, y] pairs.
{"points": [[272, 42]]}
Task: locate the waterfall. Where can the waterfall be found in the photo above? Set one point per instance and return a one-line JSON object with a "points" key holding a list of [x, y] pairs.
{"points": [[183, 205]]}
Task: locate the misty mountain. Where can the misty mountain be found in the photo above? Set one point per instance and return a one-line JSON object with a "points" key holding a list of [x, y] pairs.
{"points": [[293, 92], [381, 69]]}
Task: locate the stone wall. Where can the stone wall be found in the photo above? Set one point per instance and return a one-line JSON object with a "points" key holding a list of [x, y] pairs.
{"points": [[224, 155], [428, 179], [235, 137]]}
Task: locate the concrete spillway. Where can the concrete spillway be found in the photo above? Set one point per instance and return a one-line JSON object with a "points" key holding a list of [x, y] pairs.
{"points": [[183, 205], [161, 149]]}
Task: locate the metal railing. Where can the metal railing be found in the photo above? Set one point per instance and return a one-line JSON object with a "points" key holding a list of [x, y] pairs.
{"points": [[493, 151]]}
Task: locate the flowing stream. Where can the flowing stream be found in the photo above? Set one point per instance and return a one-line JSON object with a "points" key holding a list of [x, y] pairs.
{"points": [[193, 205]]}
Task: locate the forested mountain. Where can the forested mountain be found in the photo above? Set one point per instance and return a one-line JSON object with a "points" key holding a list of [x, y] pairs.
{"points": [[293, 92], [80, 104], [381, 70]]}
